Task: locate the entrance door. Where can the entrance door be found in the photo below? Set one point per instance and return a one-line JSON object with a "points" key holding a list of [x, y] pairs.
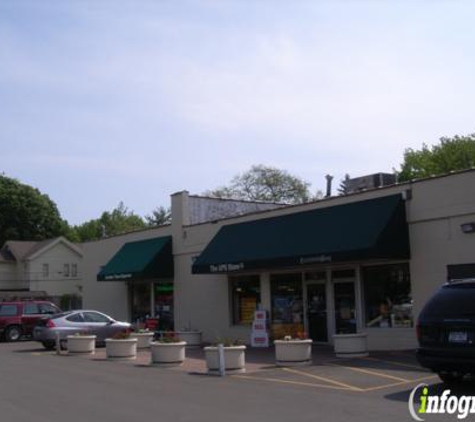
{"points": [[317, 312], [345, 315]]}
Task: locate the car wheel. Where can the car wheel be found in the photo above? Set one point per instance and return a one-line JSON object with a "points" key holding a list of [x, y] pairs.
{"points": [[49, 345], [451, 377], [13, 333]]}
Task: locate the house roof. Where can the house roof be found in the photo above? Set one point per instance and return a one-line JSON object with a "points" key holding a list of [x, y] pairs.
{"points": [[24, 249]]}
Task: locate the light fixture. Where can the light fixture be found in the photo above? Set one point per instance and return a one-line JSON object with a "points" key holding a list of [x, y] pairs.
{"points": [[468, 227]]}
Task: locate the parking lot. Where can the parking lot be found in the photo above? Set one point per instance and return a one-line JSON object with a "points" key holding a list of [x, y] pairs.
{"points": [[39, 385]]}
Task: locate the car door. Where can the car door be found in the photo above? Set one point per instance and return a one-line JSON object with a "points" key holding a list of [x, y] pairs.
{"points": [[30, 315], [99, 324]]}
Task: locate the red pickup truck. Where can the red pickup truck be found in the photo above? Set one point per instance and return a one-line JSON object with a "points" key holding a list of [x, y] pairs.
{"points": [[19, 318]]}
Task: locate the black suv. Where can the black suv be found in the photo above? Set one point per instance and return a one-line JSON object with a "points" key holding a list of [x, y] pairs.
{"points": [[446, 331]]}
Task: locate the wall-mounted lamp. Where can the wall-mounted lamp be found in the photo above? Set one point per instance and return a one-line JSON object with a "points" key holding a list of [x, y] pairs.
{"points": [[468, 227]]}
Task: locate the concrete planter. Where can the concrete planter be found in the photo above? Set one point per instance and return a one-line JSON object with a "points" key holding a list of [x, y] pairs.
{"points": [[168, 353], [293, 352], [192, 338], [234, 358], [350, 345], [121, 349], [143, 339], [81, 344]]}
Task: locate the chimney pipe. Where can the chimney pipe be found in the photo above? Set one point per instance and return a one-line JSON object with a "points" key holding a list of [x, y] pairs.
{"points": [[329, 185]]}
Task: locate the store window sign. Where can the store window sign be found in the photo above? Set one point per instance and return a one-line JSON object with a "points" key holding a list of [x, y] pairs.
{"points": [[226, 267]]}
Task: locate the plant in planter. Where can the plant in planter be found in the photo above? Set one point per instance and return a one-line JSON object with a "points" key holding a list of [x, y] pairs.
{"points": [[121, 346], [81, 342], [192, 336], [350, 345], [144, 337], [234, 356], [293, 351], [168, 350]]}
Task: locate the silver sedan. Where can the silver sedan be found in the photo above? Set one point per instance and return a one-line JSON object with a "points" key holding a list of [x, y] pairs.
{"points": [[72, 322]]}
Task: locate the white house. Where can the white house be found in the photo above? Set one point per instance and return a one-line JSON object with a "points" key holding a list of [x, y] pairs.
{"points": [[49, 268]]}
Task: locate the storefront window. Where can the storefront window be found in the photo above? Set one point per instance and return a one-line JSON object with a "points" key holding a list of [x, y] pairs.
{"points": [[164, 305], [387, 293], [245, 297], [140, 297], [287, 305]]}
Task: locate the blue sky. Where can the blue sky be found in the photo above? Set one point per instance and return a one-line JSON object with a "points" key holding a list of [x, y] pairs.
{"points": [[103, 101]]}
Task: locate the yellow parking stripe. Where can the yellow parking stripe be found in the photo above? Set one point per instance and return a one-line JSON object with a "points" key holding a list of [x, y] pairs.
{"points": [[330, 381], [374, 373], [393, 362], [277, 380], [395, 384]]}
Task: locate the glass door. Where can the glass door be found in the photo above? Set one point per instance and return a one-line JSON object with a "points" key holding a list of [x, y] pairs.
{"points": [[317, 312], [345, 300]]}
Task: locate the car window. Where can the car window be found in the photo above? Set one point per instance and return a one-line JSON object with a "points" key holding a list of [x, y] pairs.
{"points": [[8, 310], [452, 301], [31, 309], [95, 317], [47, 308], [75, 317]]}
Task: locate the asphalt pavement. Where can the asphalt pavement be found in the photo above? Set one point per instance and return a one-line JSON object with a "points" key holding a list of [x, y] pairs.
{"points": [[39, 386]]}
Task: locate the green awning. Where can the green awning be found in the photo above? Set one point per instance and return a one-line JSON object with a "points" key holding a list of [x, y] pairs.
{"points": [[364, 230], [145, 259]]}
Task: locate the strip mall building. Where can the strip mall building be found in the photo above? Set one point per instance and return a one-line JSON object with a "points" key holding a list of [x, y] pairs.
{"points": [[363, 262]]}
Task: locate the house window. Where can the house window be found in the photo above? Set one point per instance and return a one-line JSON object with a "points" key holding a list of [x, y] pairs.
{"points": [[387, 294], [66, 270], [45, 270], [74, 270], [245, 297]]}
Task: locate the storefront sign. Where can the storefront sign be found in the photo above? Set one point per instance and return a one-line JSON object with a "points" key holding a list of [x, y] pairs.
{"points": [[118, 276], [222, 268]]}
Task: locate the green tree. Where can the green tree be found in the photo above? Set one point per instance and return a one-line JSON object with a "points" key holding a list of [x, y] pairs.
{"points": [[27, 214], [120, 220], [343, 189], [160, 216], [457, 153], [263, 183]]}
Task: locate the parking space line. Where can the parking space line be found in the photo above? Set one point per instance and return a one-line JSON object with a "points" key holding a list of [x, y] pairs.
{"points": [[305, 384], [395, 384], [328, 380], [374, 373], [393, 362]]}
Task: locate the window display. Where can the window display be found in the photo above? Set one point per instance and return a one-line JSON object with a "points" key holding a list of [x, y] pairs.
{"points": [[387, 294], [287, 305], [164, 305], [245, 297]]}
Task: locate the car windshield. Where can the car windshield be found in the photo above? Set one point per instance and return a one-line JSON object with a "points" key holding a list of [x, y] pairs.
{"points": [[61, 315], [452, 301]]}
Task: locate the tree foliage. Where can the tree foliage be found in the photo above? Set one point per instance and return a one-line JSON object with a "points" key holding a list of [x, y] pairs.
{"points": [[457, 153], [159, 216], [269, 184], [120, 220], [27, 214], [343, 189]]}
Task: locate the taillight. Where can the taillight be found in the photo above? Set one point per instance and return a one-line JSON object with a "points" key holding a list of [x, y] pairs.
{"points": [[418, 331], [50, 324]]}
